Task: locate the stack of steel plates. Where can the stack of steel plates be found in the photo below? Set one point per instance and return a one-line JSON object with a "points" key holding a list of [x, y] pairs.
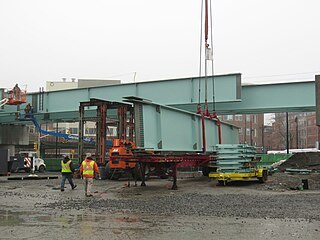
{"points": [[235, 157]]}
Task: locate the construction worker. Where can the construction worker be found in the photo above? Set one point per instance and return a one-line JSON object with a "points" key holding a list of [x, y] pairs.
{"points": [[16, 92], [87, 170], [67, 171], [27, 110]]}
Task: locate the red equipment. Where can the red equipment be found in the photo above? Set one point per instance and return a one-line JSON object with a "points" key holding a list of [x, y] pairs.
{"points": [[14, 96], [121, 149]]}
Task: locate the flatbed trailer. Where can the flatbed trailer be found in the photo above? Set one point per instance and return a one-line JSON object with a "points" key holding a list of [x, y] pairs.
{"points": [[165, 163], [257, 174]]}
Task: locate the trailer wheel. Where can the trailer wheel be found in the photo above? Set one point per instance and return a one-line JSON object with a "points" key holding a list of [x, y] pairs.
{"points": [[221, 183], [205, 171], [108, 170], [41, 168], [264, 177], [114, 175]]}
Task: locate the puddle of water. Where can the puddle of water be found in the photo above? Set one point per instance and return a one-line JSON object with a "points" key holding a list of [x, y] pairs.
{"points": [[8, 218], [127, 219]]}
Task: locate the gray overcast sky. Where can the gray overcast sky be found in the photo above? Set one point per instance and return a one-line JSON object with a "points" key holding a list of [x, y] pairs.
{"points": [[45, 40]]}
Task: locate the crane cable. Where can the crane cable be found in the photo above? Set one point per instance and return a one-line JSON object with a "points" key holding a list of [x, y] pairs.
{"points": [[206, 31], [212, 65], [214, 114], [200, 65]]}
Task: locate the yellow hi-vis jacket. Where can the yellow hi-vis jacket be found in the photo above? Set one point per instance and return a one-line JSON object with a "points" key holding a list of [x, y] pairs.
{"points": [[88, 169], [65, 167]]}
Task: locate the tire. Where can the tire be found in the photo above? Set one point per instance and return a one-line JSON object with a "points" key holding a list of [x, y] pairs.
{"points": [[41, 168], [108, 173], [115, 176], [222, 183], [205, 171], [264, 177], [112, 174]]}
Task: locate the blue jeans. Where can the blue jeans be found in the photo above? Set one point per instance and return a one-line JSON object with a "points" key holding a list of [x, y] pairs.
{"points": [[63, 180]]}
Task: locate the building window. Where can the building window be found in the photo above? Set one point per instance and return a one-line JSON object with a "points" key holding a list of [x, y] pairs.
{"points": [[229, 117], [248, 118], [73, 130], [90, 131], [254, 118], [31, 129], [238, 117], [248, 131]]}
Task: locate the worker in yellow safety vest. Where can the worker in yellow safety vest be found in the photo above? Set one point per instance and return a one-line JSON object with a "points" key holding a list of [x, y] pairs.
{"points": [[87, 170], [67, 171]]}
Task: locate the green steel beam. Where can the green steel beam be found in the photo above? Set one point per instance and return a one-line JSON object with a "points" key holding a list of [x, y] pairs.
{"points": [[165, 128], [175, 91], [268, 98], [180, 93]]}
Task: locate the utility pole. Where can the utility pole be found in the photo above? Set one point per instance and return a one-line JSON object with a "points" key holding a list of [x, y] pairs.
{"points": [[297, 132], [262, 138], [251, 130], [287, 125], [57, 128], [317, 81], [245, 129]]}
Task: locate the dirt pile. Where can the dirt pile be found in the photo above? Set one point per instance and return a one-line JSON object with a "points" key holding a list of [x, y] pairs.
{"points": [[308, 160]]}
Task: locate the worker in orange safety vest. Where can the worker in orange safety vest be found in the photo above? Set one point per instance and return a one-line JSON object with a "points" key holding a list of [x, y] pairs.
{"points": [[87, 170]]}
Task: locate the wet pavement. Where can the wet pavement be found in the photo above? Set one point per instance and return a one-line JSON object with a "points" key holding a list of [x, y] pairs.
{"points": [[36, 209]]}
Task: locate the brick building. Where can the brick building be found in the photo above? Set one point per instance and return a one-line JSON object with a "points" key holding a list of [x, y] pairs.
{"points": [[251, 127], [303, 131]]}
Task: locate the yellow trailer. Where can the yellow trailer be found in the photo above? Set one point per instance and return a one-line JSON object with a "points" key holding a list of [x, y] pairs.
{"points": [[260, 174]]}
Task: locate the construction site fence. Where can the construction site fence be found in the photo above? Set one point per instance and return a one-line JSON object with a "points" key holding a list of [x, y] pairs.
{"points": [[54, 165]]}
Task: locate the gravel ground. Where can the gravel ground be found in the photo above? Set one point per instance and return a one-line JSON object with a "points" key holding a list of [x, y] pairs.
{"points": [[199, 209]]}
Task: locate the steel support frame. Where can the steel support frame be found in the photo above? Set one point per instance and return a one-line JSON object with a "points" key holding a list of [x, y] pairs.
{"points": [[100, 120], [101, 125]]}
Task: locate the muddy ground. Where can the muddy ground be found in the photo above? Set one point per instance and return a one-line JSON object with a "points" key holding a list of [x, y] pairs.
{"points": [[199, 209]]}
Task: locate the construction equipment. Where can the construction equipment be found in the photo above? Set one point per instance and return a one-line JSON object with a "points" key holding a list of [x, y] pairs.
{"points": [[116, 166], [4, 102], [115, 160], [237, 162], [14, 96], [30, 117], [27, 161], [123, 130]]}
